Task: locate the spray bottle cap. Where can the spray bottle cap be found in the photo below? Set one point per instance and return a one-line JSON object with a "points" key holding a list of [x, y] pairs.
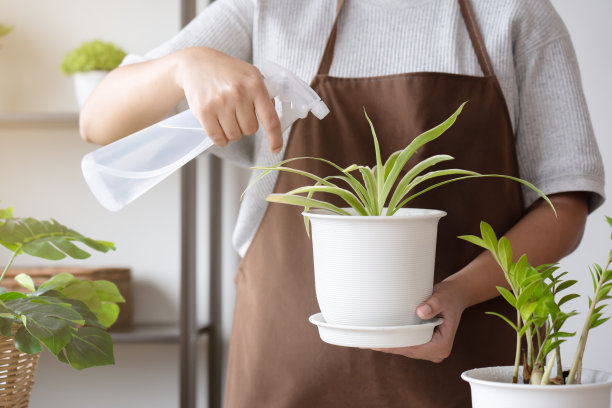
{"points": [[295, 96]]}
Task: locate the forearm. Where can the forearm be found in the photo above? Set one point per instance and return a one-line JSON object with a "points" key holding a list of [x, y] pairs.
{"points": [[130, 98], [544, 238]]}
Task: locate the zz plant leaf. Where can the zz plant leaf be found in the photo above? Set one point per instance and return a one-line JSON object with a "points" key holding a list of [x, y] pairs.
{"points": [[537, 294]]}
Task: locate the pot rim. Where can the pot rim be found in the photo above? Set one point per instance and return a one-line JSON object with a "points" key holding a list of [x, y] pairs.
{"points": [[402, 213], [466, 376]]}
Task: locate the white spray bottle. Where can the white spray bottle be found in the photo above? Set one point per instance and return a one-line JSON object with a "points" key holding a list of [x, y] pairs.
{"points": [[122, 171]]}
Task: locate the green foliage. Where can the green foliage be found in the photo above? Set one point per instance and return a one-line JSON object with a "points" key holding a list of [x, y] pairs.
{"points": [[536, 294], [375, 191], [67, 315], [92, 55], [5, 30]]}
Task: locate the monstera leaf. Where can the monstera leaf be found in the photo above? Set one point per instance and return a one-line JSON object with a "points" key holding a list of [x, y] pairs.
{"points": [[45, 239]]}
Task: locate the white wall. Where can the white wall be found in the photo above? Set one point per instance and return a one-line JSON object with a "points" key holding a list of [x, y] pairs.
{"points": [[589, 25]]}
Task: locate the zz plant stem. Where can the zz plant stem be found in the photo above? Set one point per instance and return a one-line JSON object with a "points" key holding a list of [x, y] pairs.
{"points": [[593, 317]]}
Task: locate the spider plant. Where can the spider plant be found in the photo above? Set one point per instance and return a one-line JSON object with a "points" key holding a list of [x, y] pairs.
{"points": [[374, 194]]}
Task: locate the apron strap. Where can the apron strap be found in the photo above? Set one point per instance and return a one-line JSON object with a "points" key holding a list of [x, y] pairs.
{"points": [[328, 54], [476, 38], [470, 21]]}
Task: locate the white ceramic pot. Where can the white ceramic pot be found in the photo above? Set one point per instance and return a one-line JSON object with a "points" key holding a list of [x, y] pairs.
{"points": [[85, 83], [373, 271], [492, 387]]}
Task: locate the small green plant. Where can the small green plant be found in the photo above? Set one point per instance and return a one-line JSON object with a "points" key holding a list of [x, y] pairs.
{"points": [[92, 55], [536, 295], [68, 316], [376, 195], [5, 30]]}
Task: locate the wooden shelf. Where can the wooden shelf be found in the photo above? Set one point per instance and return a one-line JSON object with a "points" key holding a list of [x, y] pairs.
{"points": [[60, 118], [151, 333]]}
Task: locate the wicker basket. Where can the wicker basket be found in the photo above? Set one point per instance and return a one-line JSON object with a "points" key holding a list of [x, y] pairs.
{"points": [[16, 375], [120, 276]]}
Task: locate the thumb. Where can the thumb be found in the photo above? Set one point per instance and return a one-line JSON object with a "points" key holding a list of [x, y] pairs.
{"points": [[429, 309]]}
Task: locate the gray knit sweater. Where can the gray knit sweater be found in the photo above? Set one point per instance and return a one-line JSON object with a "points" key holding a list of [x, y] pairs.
{"points": [[528, 43]]}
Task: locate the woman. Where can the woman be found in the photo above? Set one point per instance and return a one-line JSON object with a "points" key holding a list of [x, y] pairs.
{"points": [[410, 63]]}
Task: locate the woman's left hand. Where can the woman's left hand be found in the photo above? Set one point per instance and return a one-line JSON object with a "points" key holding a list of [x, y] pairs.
{"points": [[445, 302]]}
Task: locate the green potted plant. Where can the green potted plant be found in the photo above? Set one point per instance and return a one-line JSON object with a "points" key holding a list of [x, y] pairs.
{"points": [[538, 295], [5, 30], [89, 63], [66, 315], [375, 222]]}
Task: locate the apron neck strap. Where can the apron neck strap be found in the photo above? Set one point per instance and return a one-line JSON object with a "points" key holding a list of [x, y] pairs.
{"points": [[470, 22], [476, 37], [328, 54]]}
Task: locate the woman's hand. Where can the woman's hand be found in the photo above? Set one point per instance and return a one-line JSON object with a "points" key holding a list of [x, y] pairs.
{"points": [[226, 95], [448, 303]]}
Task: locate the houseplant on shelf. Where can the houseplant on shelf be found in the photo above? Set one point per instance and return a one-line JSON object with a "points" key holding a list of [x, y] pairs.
{"points": [[66, 315], [537, 294], [375, 222], [89, 63]]}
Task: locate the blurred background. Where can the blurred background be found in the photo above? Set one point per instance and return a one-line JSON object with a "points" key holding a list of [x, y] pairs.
{"points": [[40, 177]]}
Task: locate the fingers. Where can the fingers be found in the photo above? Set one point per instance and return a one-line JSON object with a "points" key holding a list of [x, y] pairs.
{"points": [[247, 120], [269, 120], [213, 129], [430, 308]]}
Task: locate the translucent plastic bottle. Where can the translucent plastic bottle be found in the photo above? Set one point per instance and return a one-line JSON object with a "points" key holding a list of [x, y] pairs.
{"points": [[122, 171]]}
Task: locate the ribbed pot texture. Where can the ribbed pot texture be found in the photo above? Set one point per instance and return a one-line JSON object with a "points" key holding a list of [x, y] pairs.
{"points": [[492, 387], [374, 271]]}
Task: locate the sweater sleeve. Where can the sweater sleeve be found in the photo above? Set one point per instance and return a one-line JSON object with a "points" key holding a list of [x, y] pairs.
{"points": [[556, 148], [227, 26]]}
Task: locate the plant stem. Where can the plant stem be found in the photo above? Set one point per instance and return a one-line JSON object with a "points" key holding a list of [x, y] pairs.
{"points": [[517, 357], [559, 365], [577, 363], [548, 369], [10, 262], [529, 337]]}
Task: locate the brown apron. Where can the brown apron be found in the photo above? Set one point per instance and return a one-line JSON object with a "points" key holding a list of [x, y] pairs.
{"points": [[276, 356]]}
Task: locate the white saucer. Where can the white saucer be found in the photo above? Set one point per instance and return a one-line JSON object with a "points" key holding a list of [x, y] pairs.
{"points": [[374, 337]]}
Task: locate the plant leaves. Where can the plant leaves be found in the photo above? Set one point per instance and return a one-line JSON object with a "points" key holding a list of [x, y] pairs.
{"points": [[108, 313], [509, 296], [504, 318], [419, 141], [6, 325], [52, 332], [26, 343], [107, 291], [46, 239], [89, 347], [26, 281], [305, 202]]}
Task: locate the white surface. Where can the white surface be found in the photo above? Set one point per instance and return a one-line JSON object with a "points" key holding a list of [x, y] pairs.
{"points": [[491, 387], [85, 83], [374, 271], [374, 337]]}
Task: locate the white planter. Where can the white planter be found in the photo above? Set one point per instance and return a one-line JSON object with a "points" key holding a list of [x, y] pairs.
{"points": [[374, 271], [85, 83], [492, 387]]}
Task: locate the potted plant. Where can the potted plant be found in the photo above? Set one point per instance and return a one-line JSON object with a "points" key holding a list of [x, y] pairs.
{"points": [[5, 30], [89, 63], [537, 294], [375, 222], [66, 315]]}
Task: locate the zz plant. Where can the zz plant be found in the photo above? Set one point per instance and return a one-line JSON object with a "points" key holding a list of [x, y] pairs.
{"points": [[537, 294], [374, 194], [68, 316]]}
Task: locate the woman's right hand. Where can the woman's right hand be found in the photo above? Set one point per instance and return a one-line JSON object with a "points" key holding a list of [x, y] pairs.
{"points": [[227, 95]]}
